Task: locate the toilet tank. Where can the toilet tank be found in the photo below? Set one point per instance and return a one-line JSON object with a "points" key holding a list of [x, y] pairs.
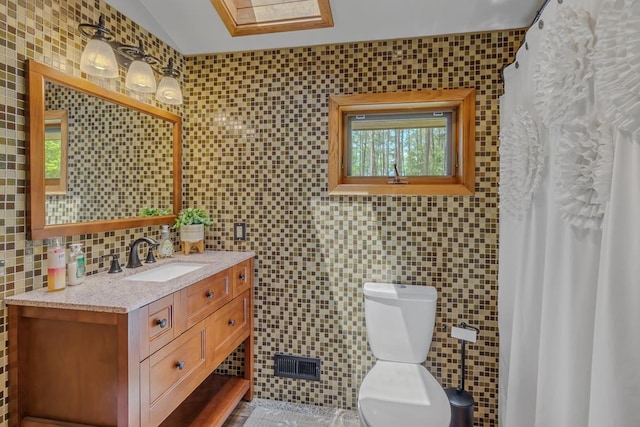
{"points": [[399, 320]]}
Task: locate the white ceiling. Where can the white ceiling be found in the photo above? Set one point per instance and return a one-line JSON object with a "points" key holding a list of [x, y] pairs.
{"points": [[194, 27]]}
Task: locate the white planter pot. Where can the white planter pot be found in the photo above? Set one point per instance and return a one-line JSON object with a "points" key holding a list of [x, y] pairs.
{"points": [[192, 233]]}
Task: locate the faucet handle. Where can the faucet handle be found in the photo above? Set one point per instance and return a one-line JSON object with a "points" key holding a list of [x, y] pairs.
{"points": [[115, 265], [150, 258]]}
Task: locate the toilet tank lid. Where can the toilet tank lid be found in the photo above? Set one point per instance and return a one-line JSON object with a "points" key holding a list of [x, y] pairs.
{"points": [[400, 292]]}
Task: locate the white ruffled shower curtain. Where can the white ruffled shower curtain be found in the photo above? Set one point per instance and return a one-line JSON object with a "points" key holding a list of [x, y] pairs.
{"points": [[569, 277]]}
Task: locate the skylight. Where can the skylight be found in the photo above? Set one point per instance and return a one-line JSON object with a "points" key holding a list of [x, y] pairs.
{"points": [[247, 17]]}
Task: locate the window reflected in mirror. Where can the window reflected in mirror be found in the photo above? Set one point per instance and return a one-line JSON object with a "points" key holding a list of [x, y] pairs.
{"points": [[55, 151]]}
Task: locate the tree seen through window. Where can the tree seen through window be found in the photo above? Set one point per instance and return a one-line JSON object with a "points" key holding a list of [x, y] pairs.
{"points": [[418, 144], [53, 152]]}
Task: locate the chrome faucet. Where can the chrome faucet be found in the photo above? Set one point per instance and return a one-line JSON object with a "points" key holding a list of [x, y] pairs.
{"points": [[134, 260]]}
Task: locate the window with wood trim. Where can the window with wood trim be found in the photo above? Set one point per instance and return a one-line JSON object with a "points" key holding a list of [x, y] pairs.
{"points": [[247, 17], [414, 143]]}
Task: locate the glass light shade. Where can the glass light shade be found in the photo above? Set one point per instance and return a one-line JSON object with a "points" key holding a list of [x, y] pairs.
{"points": [[169, 91], [98, 59], [140, 77]]}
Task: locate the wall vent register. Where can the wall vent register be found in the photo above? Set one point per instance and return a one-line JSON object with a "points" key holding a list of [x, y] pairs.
{"points": [[306, 368]]}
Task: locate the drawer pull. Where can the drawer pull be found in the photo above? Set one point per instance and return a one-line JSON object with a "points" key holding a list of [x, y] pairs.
{"points": [[180, 365], [161, 322], [242, 276], [209, 294], [232, 322]]}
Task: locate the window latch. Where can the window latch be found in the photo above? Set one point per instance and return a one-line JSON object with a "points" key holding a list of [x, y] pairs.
{"points": [[397, 179]]}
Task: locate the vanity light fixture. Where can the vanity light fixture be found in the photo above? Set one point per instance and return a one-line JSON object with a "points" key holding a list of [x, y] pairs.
{"points": [[140, 76], [103, 61], [98, 58], [169, 89]]}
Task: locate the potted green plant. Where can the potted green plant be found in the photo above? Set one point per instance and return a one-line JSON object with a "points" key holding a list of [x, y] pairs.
{"points": [[151, 211], [191, 222]]}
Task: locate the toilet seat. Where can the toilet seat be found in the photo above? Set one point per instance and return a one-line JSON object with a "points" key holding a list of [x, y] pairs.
{"points": [[402, 394]]}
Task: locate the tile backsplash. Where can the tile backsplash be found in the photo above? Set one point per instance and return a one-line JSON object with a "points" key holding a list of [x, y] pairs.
{"points": [[255, 151]]}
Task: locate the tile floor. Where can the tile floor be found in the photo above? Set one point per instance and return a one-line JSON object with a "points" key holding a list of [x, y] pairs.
{"points": [[239, 415], [242, 412]]}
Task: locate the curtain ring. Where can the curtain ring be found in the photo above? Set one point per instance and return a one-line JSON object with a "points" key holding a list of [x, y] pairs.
{"points": [[517, 65], [540, 24]]}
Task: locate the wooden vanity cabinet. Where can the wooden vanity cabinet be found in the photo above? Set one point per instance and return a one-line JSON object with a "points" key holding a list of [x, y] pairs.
{"points": [[242, 277], [168, 376], [157, 324], [206, 296], [154, 364], [227, 327]]}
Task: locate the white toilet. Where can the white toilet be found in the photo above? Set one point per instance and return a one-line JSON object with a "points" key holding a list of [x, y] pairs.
{"points": [[398, 390]]}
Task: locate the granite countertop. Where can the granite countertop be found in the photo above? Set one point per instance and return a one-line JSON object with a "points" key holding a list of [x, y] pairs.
{"points": [[110, 293]]}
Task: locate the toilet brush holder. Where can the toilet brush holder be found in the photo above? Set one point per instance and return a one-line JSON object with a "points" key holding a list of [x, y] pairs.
{"points": [[461, 401]]}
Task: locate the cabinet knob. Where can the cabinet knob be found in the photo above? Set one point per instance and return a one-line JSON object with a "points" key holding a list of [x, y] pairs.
{"points": [[242, 276], [209, 294], [161, 322], [180, 365], [232, 322]]}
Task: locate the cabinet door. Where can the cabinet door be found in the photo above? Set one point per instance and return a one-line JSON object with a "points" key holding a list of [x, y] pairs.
{"points": [[227, 328], [168, 376], [242, 277], [204, 297], [157, 326]]}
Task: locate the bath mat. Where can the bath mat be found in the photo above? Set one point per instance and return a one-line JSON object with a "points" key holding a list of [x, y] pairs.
{"points": [[272, 417]]}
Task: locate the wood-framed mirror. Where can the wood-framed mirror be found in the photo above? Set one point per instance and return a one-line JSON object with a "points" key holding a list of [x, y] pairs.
{"points": [[117, 157]]}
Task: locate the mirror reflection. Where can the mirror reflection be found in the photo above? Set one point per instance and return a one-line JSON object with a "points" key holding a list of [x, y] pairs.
{"points": [[117, 160]]}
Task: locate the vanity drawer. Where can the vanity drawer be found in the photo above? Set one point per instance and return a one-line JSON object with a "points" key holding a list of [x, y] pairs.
{"points": [[227, 328], [171, 374], [157, 326], [206, 296], [242, 277]]}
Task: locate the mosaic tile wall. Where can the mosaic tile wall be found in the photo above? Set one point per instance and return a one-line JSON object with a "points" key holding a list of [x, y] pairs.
{"points": [[47, 32], [256, 151], [119, 160]]}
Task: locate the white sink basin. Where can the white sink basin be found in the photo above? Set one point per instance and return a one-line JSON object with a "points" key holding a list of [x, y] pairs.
{"points": [[165, 272]]}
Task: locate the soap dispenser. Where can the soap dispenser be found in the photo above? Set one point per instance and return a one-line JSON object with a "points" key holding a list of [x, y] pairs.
{"points": [[76, 268], [166, 244], [56, 256]]}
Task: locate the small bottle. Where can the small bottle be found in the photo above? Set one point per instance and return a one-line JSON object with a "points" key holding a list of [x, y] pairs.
{"points": [[76, 268], [165, 249], [56, 255]]}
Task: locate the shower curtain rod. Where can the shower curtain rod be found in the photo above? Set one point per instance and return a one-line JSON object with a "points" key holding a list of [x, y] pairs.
{"points": [[535, 19], [539, 12]]}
